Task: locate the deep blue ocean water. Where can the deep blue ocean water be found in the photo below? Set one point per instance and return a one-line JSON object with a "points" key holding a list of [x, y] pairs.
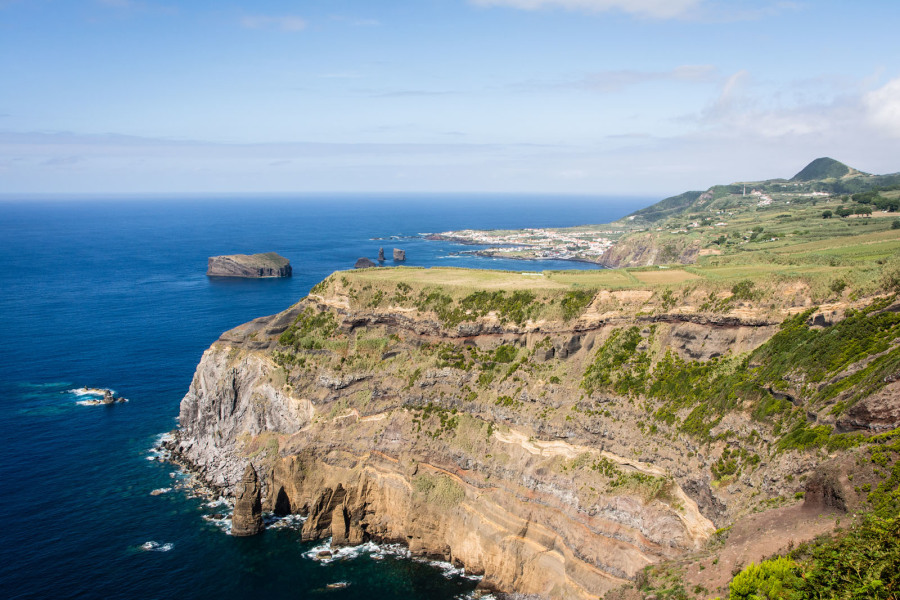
{"points": [[113, 293]]}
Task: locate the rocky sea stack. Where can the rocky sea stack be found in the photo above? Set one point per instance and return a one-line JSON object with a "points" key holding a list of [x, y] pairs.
{"points": [[247, 518], [364, 263], [269, 264]]}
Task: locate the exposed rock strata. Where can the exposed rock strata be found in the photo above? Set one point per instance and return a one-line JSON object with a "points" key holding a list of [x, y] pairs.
{"points": [[269, 264], [502, 483]]}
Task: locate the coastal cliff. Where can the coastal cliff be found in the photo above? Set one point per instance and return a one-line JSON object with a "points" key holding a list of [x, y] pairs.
{"points": [[269, 264], [528, 436]]}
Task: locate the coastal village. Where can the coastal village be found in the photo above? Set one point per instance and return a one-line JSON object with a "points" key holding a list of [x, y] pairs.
{"points": [[536, 244]]}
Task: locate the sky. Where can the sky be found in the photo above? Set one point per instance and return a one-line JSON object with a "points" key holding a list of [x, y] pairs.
{"points": [[605, 97]]}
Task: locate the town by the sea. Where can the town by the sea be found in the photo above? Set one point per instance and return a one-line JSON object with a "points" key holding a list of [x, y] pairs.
{"points": [[112, 293]]}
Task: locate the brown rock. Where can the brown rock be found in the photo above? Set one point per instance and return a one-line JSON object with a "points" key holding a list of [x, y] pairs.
{"points": [[381, 255], [399, 255], [364, 263], [825, 489], [247, 518], [878, 412], [339, 523]]}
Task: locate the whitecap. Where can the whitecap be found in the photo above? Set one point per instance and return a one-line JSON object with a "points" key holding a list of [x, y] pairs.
{"points": [[325, 554], [273, 521], [220, 501], [160, 491], [223, 523], [152, 546], [476, 595], [86, 391]]}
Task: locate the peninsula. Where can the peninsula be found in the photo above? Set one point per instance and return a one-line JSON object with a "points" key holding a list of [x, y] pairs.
{"points": [[269, 264], [621, 433]]}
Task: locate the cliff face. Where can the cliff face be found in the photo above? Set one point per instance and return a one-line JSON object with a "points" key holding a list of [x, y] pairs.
{"points": [[269, 264], [484, 443], [641, 250]]}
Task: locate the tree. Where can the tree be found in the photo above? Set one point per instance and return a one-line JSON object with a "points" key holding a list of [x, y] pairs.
{"points": [[826, 214]]}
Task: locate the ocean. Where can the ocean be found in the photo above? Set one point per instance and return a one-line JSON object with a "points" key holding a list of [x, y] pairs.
{"points": [[112, 293]]}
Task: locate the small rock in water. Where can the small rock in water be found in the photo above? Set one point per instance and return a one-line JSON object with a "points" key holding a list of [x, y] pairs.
{"points": [[324, 554], [338, 585]]}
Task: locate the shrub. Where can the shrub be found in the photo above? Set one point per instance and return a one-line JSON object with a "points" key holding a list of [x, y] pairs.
{"points": [[771, 579]]}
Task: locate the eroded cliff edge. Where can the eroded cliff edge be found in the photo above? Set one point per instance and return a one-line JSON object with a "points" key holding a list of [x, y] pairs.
{"points": [[517, 433]]}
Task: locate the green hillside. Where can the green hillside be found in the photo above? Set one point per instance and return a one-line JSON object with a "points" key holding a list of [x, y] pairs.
{"points": [[822, 168]]}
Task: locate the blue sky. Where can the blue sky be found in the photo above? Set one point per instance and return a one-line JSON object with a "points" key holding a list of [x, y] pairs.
{"points": [[570, 96]]}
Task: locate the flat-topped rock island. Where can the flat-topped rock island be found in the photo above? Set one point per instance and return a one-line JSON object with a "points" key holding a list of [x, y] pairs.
{"points": [[269, 264]]}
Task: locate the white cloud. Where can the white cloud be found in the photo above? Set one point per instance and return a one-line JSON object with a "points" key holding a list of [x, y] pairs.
{"points": [[284, 23], [883, 107], [657, 9]]}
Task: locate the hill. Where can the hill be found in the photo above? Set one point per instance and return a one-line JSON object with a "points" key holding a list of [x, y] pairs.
{"points": [[822, 168]]}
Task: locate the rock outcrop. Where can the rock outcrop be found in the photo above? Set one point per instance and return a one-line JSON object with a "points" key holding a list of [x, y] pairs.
{"points": [[247, 517], [364, 263], [399, 255], [478, 443], [381, 255], [251, 266]]}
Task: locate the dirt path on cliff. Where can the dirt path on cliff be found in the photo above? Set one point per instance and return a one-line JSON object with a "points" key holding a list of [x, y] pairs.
{"points": [[754, 539]]}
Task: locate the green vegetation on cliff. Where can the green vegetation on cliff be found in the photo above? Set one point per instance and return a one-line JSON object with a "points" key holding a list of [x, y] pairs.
{"points": [[861, 563], [803, 367]]}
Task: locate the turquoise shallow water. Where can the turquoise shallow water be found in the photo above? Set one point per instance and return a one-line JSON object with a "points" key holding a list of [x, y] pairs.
{"points": [[113, 293]]}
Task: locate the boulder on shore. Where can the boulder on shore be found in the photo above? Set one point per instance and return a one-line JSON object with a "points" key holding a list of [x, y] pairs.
{"points": [[247, 517], [399, 255], [269, 264], [364, 263]]}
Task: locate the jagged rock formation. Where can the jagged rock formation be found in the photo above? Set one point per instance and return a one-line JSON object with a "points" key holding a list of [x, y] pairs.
{"points": [[399, 255], [247, 517], [269, 264], [364, 263], [381, 255]]}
